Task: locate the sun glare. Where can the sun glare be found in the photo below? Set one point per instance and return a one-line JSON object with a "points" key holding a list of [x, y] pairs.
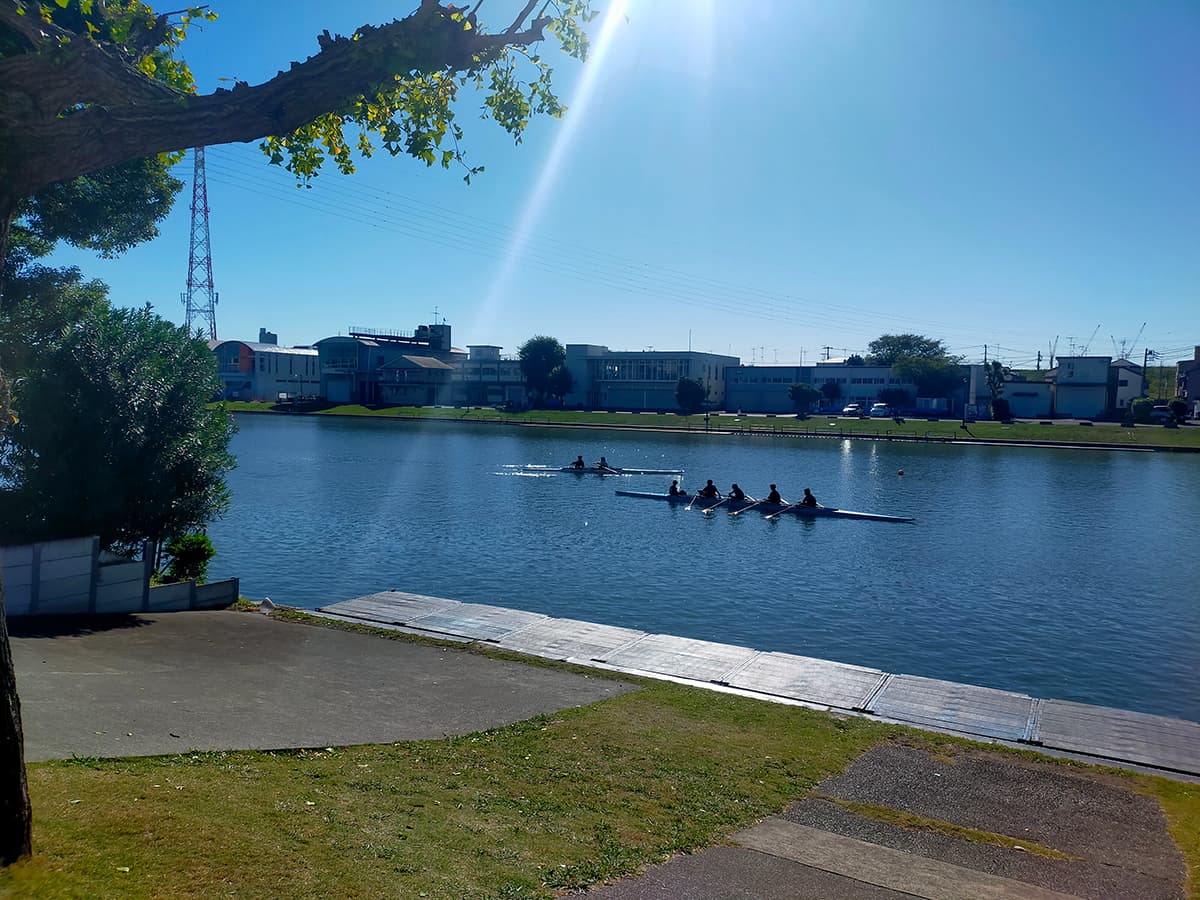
{"points": [[577, 108]]}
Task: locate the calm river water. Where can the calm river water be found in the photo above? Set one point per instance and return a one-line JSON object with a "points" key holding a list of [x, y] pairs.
{"points": [[1060, 573]]}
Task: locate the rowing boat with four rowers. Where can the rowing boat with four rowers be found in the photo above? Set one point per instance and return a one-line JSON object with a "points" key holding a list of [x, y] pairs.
{"points": [[771, 509]]}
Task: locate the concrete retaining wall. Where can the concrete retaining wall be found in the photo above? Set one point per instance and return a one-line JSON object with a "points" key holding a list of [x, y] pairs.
{"points": [[67, 578]]}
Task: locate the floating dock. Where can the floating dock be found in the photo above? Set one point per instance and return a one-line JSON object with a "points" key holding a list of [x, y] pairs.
{"points": [[1099, 734]]}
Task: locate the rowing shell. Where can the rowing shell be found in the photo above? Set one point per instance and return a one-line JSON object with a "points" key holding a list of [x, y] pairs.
{"points": [[595, 470], [811, 512]]}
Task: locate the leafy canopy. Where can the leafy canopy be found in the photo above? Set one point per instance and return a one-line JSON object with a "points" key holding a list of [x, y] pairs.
{"points": [[114, 435], [803, 396], [690, 394], [540, 357], [89, 70], [887, 348]]}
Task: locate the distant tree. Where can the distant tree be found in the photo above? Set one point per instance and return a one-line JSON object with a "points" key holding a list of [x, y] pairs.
{"points": [[896, 398], [886, 349], [114, 435], [540, 356], [560, 383], [690, 394], [831, 391], [934, 377], [803, 396], [1001, 409], [855, 360], [1178, 408], [1140, 410], [994, 372]]}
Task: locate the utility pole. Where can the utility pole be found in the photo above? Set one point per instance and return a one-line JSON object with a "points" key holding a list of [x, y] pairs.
{"points": [[985, 354], [200, 300], [1039, 362], [827, 350]]}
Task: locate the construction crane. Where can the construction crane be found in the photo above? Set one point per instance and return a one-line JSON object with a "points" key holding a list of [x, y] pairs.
{"points": [[1125, 350], [1083, 351]]}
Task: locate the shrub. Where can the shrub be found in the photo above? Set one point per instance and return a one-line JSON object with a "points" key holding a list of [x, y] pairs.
{"points": [[1178, 408], [1141, 410], [190, 555]]}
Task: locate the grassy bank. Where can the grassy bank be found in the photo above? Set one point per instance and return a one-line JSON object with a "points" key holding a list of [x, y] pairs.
{"points": [[551, 804], [1141, 437]]}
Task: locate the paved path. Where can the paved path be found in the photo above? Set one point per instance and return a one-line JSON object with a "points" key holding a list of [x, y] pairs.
{"points": [[146, 685], [842, 841]]}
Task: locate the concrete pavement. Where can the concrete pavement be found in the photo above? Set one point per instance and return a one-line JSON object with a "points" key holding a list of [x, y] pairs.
{"points": [[150, 684]]}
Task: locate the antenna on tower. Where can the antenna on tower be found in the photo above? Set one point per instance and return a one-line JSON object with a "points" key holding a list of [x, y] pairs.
{"points": [[200, 300]]}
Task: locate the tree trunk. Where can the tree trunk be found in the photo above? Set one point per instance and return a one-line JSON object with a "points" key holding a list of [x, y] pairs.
{"points": [[16, 816], [15, 813]]}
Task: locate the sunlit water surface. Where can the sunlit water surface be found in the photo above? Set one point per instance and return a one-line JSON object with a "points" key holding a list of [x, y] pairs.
{"points": [[1060, 573]]}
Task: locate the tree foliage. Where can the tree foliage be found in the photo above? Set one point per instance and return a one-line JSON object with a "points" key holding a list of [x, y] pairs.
{"points": [[831, 390], [190, 555], [855, 359], [933, 377], [887, 349], [114, 435], [690, 395], [896, 398], [803, 396], [540, 357], [86, 85]]}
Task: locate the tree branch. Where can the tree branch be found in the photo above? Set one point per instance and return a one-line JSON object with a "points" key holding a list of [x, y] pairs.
{"points": [[80, 72], [147, 120], [27, 25], [512, 29]]}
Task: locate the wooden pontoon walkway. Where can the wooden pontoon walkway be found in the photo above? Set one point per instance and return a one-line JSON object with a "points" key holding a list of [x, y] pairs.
{"points": [[1102, 734]]}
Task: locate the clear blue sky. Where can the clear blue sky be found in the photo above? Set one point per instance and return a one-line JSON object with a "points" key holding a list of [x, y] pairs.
{"points": [[766, 177]]}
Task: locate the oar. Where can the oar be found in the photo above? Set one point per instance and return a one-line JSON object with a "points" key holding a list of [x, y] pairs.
{"points": [[696, 496], [781, 510], [735, 512], [709, 509]]}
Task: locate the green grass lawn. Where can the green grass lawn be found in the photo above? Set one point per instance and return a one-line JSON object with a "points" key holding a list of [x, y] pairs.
{"points": [[556, 802], [1145, 436], [551, 804]]}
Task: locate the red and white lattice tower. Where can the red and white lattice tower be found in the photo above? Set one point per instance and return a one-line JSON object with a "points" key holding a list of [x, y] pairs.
{"points": [[200, 300]]}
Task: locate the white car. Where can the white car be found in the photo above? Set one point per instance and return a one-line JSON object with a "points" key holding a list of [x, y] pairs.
{"points": [[880, 411], [853, 409]]}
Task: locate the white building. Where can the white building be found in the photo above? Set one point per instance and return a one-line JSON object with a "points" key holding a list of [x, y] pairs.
{"points": [[1130, 383], [262, 370], [641, 379], [486, 378], [759, 388], [1081, 386]]}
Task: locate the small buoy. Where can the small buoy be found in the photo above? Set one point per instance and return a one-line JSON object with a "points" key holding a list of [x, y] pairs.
{"points": [[901, 472]]}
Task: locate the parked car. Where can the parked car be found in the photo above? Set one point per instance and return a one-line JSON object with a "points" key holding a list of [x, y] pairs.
{"points": [[852, 409], [880, 411], [1162, 414]]}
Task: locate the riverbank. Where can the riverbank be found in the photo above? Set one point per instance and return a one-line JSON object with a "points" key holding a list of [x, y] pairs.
{"points": [[552, 803], [1102, 436]]}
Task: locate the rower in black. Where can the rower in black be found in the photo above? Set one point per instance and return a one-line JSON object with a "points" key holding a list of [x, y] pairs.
{"points": [[809, 499], [603, 464], [774, 497], [579, 463], [736, 493], [709, 491], [676, 491]]}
